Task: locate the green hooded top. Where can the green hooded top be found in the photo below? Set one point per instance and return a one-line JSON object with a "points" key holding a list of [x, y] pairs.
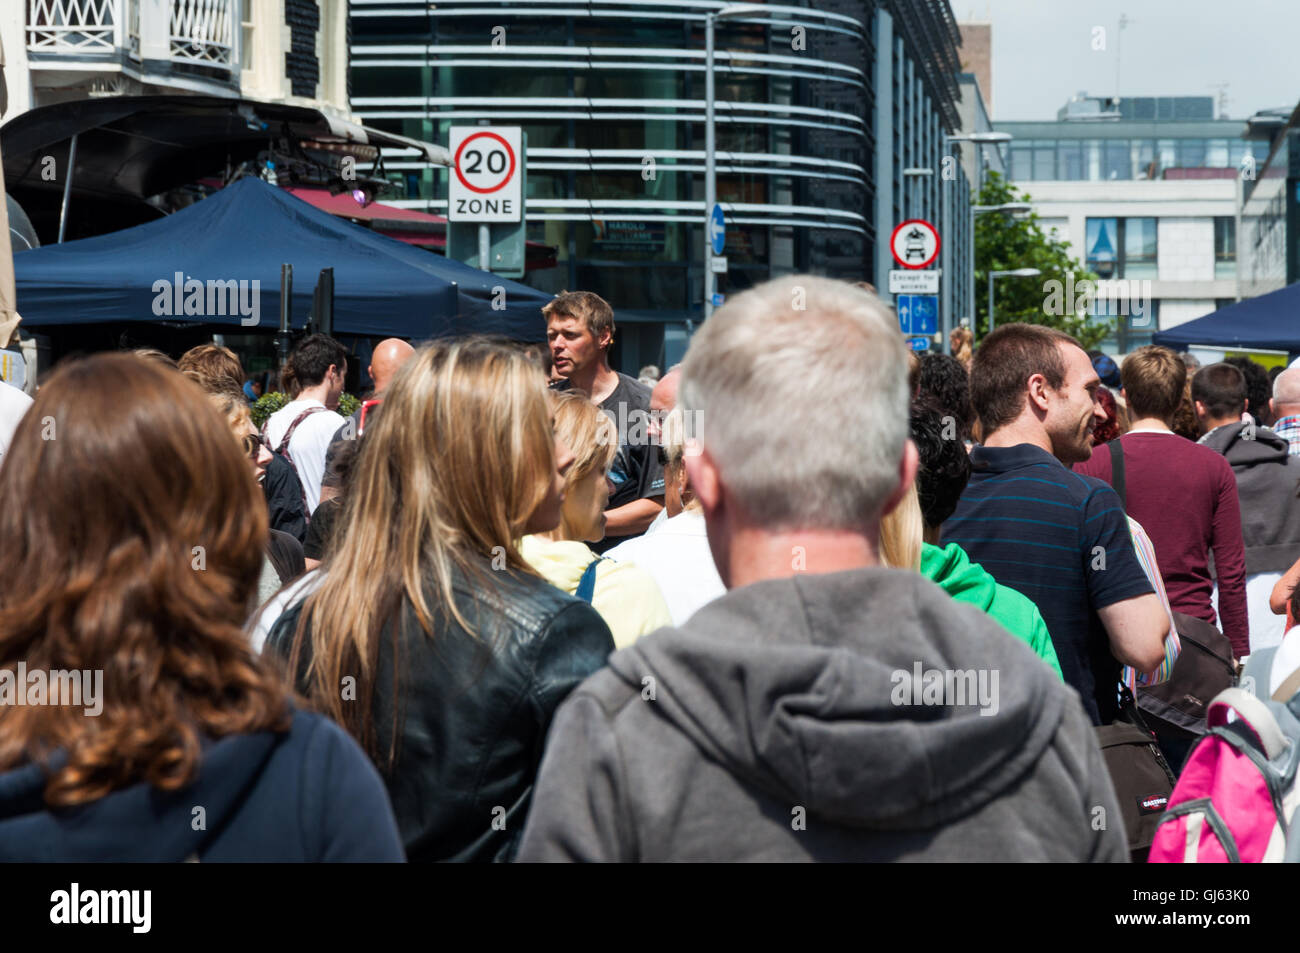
{"points": [[951, 569]]}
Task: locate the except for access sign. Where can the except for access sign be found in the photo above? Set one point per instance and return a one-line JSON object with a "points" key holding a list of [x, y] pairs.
{"points": [[915, 243], [907, 281], [486, 174]]}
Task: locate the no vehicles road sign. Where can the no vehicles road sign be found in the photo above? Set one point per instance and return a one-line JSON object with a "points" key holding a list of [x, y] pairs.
{"points": [[915, 243], [486, 174]]}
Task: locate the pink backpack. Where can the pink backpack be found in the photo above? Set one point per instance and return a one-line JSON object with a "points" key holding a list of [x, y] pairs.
{"points": [[1236, 798]]}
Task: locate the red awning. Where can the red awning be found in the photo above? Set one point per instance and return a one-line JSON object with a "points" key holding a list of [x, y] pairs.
{"points": [[406, 225]]}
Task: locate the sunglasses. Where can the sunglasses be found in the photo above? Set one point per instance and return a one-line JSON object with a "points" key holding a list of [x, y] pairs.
{"points": [[253, 444]]}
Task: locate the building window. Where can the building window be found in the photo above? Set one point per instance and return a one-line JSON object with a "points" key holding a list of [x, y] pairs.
{"points": [[1044, 161], [1121, 247], [1117, 160], [1133, 323], [1225, 247], [1103, 246], [1139, 248], [1069, 161], [1022, 169]]}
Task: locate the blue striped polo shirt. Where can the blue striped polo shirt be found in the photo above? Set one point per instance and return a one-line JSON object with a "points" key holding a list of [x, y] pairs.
{"points": [[1061, 539]]}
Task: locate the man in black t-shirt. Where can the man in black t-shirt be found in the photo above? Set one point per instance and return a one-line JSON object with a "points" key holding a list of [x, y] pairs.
{"points": [[580, 330]]}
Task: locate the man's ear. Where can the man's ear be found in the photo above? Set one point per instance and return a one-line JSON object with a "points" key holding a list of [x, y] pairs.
{"points": [[1037, 390], [1199, 408], [704, 478], [1272, 408], [907, 467]]}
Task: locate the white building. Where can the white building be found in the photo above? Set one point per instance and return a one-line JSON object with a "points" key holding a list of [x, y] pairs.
{"points": [[1147, 193], [283, 51]]}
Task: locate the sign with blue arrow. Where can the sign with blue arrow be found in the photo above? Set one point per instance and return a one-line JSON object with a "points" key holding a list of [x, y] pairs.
{"points": [[717, 229]]}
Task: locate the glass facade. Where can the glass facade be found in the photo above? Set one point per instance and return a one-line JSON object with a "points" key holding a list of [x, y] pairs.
{"points": [[611, 97], [1268, 255], [1097, 159]]}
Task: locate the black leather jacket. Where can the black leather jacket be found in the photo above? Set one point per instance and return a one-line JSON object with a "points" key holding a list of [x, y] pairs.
{"points": [[473, 713]]}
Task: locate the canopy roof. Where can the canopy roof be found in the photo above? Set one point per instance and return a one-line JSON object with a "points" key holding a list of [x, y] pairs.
{"points": [[225, 252], [1268, 322]]}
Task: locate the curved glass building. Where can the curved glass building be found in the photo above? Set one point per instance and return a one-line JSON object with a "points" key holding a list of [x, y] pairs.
{"points": [[820, 108]]}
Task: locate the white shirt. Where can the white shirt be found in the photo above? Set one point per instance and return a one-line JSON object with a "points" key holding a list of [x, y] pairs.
{"points": [[265, 618], [677, 555], [13, 405], [308, 444]]}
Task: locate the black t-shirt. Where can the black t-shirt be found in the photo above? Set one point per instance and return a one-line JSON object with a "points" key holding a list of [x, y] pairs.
{"points": [[635, 472], [320, 534]]}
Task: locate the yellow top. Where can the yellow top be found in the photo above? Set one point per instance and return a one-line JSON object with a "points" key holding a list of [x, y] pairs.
{"points": [[626, 596]]}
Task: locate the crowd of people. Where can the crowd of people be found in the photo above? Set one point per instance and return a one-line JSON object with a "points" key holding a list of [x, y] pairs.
{"points": [[802, 597]]}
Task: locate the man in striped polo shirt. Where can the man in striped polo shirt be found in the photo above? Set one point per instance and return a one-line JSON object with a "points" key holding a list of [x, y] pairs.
{"points": [[1058, 537]]}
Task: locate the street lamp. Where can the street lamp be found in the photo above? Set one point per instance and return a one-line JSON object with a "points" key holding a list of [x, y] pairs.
{"points": [[728, 12], [978, 138], [1013, 273]]}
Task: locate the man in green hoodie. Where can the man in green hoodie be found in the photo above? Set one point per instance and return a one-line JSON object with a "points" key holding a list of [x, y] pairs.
{"points": [[940, 480]]}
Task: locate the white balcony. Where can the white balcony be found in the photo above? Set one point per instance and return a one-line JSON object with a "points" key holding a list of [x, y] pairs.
{"points": [[89, 34]]}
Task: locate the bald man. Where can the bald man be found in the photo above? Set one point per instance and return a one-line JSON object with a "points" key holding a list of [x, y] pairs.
{"points": [[1285, 407], [388, 355]]}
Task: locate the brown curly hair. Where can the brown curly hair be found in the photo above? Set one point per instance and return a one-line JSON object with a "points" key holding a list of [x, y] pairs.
{"points": [[134, 541]]}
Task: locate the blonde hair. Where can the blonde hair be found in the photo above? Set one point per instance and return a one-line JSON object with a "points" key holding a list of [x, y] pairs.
{"points": [[902, 531], [233, 408], [589, 434], [446, 479]]}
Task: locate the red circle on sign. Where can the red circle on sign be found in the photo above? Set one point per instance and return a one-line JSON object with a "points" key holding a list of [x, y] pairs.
{"points": [[509, 152], [937, 243]]}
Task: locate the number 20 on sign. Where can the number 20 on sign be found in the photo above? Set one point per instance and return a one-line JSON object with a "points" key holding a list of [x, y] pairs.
{"points": [[485, 184]]}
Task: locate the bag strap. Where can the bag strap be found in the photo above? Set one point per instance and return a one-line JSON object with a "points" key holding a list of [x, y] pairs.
{"points": [[288, 434], [587, 584], [1252, 713], [1258, 672], [1117, 471]]}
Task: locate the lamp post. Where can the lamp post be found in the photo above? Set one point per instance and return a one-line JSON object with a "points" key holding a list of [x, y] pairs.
{"points": [[978, 138], [1013, 273], [710, 170]]}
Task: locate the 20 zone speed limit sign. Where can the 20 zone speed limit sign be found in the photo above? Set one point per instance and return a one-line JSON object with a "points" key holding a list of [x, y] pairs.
{"points": [[486, 174]]}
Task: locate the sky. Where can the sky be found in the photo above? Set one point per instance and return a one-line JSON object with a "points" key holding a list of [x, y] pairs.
{"points": [[1043, 51]]}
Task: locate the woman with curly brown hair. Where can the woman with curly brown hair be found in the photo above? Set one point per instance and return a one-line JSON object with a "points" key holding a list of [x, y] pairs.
{"points": [[136, 723]]}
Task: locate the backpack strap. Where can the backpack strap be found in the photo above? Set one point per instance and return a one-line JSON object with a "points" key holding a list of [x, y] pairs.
{"points": [[587, 584], [288, 434], [1257, 673], [283, 450], [1117, 471], [1251, 713]]}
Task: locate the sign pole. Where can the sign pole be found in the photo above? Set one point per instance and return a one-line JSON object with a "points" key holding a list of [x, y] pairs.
{"points": [[485, 247]]}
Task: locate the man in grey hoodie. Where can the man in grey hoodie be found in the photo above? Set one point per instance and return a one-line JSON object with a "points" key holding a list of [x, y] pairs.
{"points": [[1268, 483], [824, 708]]}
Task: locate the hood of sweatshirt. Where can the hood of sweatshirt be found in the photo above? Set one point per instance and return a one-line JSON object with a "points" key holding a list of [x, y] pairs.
{"points": [[807, 688], [1247, 446], [951, 569], [561, 562], [136, 823]]}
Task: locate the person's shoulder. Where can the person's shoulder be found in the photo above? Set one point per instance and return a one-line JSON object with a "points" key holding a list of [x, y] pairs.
{"points": [[633, 389], [12, 399]]}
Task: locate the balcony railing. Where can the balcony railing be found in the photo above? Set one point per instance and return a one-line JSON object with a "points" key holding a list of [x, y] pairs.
{"points": [[202, 32], [76, 26], [195, 32]]}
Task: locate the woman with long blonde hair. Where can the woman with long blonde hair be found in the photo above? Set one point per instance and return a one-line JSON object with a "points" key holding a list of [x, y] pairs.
{"points": [[625, 595], [430, 639]]}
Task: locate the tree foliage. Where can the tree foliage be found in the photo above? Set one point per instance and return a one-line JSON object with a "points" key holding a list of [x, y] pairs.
{"points": [[1004, 242]]}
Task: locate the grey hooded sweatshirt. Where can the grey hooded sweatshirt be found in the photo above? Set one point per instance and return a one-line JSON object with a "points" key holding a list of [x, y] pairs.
{"points": [[1268, 484], [776, 725]]}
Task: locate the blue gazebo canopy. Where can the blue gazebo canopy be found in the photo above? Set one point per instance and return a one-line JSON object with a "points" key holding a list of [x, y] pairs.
{"points": [[227, 250]]}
